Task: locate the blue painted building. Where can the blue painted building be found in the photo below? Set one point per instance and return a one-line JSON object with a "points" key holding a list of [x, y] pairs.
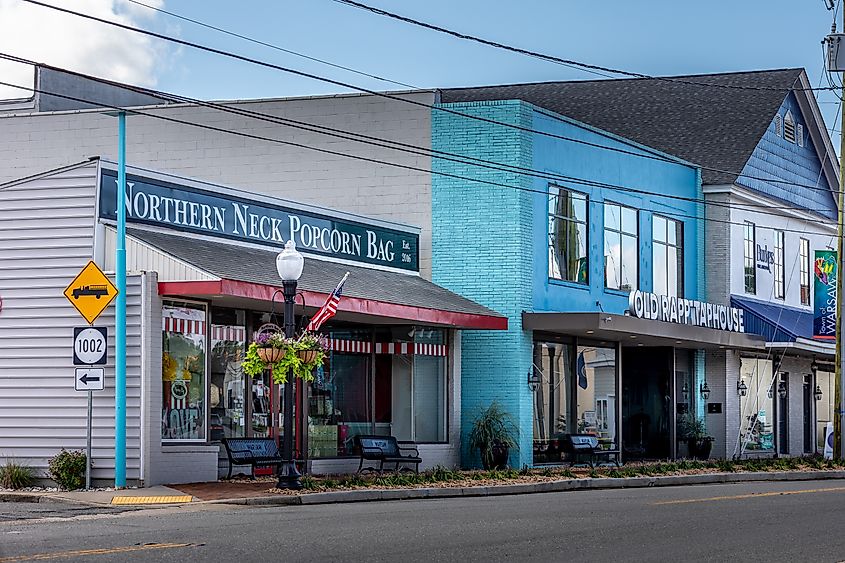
{"points": [[746, 231], [554, 224]]}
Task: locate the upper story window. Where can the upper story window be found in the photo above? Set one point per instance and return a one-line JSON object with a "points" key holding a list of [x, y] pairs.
{"points": [[621, 257], [749, 258], [777, 267], [667, 237], [567, 235], [789, 127], [799, 134], [804, 259]]}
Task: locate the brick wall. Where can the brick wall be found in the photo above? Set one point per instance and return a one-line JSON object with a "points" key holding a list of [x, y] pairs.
{"points": [[482, 250]]}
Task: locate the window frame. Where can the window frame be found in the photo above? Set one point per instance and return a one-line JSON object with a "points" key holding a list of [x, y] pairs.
{"points": [[554, 191], [206, 307], [804, 271], [750, 258], [789, 128], [622, 234], [779, 286], [678, 246]]}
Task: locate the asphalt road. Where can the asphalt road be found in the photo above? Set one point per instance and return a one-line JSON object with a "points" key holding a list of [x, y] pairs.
{"points": [[796, 521]]}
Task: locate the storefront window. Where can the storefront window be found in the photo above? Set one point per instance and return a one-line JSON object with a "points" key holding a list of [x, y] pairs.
{"points": [[621, 257], [757, 406], [183, 372], [567, 235], [399, 389], [226, 400], [590, 379], [777, 267], [552, 417], [667, 239], [824, 407]]}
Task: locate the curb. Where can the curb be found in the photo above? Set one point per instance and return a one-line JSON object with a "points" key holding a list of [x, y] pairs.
{"points": [[590, 484], [36, 497]]}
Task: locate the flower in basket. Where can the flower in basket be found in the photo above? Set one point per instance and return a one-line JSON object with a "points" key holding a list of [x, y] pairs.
{"points": [[311, 349], [301, 356]]}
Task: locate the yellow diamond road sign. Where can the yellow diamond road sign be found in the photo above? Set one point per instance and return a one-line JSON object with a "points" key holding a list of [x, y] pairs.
{"points": [[91, 292]]}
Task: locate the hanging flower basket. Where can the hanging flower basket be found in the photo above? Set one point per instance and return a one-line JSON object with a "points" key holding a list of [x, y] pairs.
{"points": [[270, 355], [307, 356], [271, 350]]}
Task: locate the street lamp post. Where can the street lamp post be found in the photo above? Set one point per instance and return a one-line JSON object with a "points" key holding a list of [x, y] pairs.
{"points": [[289, 264]]}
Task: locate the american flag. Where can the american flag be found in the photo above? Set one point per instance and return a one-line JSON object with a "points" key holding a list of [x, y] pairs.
{"points": [[328, 309]]}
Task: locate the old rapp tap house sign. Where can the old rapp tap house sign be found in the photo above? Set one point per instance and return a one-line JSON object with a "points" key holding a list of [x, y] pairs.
{"points": [[646, 305], [230, 215]]}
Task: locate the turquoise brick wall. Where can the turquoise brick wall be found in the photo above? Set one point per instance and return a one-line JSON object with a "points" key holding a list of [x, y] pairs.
{"points": [[481, 248]]}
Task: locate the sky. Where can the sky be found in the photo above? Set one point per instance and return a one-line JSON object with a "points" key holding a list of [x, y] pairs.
{"points": [[655, 37]]}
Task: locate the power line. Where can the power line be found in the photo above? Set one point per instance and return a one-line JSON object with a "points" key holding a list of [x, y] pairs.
{"points": [[551, 58], [270, 45], [363, 158], [393, 96], [409, 148]]}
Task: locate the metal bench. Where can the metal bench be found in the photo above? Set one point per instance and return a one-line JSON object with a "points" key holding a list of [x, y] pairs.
{"points": [[256, 452], [586, 446], [387, 449]]}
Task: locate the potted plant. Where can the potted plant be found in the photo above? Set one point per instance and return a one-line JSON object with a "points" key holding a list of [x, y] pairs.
{"points": [[691, 429], [493, 433], [281, 355]]}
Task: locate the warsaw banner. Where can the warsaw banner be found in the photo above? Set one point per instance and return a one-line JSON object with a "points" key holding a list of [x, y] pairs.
{"points": [[825, 272]]}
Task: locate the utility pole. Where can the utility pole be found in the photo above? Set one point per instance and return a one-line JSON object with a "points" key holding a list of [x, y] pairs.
{"points": [[840, 247]]}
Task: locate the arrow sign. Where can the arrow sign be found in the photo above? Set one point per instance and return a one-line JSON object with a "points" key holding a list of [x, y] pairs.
{"points": [[89, 379]]}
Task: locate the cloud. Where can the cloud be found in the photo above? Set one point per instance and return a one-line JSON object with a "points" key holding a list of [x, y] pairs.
{"points": [[67, 41]]}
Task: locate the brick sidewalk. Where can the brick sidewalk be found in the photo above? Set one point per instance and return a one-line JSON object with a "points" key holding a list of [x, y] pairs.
{"points": [[226, 489]]}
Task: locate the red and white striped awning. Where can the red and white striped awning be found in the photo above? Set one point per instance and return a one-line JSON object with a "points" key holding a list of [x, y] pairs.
{"points": [[227, 332], [183, 326], [409, 348]]}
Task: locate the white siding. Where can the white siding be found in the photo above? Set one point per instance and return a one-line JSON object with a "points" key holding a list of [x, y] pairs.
{"points": [[46, 237], [142, 257]]}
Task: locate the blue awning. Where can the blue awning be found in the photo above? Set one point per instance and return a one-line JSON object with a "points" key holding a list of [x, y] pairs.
{"points": [[776, 323]]}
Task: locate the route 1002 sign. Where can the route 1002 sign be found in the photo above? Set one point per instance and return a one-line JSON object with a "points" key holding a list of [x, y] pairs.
{"points": [[90, 345]]}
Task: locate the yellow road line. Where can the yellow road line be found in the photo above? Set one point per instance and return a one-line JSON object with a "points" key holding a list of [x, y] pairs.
{"points": [[749, 495], [172, 499], [81, 552]]}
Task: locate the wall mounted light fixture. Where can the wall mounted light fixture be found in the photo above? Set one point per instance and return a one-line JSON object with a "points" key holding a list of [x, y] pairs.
{"points": [[741, 388]]}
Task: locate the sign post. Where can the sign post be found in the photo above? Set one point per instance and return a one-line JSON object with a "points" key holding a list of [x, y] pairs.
{"points": [[89, 349]]}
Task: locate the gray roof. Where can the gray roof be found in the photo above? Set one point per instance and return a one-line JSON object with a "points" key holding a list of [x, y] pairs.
{"points": [[712, 127], [231, 262]]}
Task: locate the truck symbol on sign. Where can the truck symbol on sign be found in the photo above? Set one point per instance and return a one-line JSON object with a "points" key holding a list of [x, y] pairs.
{"points": [[95, 290]]}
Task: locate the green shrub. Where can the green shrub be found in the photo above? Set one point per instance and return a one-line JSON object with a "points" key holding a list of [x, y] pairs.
{"points": [[14, 475], [67, 469]]}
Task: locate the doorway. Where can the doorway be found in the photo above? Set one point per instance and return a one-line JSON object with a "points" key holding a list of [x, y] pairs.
{"points": [[647, 402]]}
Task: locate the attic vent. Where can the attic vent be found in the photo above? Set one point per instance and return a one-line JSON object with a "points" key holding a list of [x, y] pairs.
{"points": [[799, 133], [789, 127], [778, 125]]}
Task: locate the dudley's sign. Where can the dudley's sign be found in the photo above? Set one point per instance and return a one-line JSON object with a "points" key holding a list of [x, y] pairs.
{"points": [[231, 216], [685, 311]]}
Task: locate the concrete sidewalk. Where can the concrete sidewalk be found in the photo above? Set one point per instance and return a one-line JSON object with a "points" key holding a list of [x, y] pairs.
{"points": [[258, 492]]}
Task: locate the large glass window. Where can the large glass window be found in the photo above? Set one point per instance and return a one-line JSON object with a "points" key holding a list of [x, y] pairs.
{"points": [[577, 395], [183, 408], [567, 235], [824, 407], [757, 413], [749, 258], [399, 389], [668, 266], [621, 257], [804, 258], [777, 267], [226, 393]]}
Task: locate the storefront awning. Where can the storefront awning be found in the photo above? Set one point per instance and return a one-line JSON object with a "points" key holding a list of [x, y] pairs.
{"points": [[782, 326], [632, 331], [246, 277]]}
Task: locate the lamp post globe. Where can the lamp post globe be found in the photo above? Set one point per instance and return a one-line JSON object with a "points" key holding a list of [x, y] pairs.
{"points": [[289, 265]]}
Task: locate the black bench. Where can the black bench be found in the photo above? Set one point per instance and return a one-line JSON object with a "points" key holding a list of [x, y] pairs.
{"points": [[257, 452], [387, 449], [586, 446]]}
